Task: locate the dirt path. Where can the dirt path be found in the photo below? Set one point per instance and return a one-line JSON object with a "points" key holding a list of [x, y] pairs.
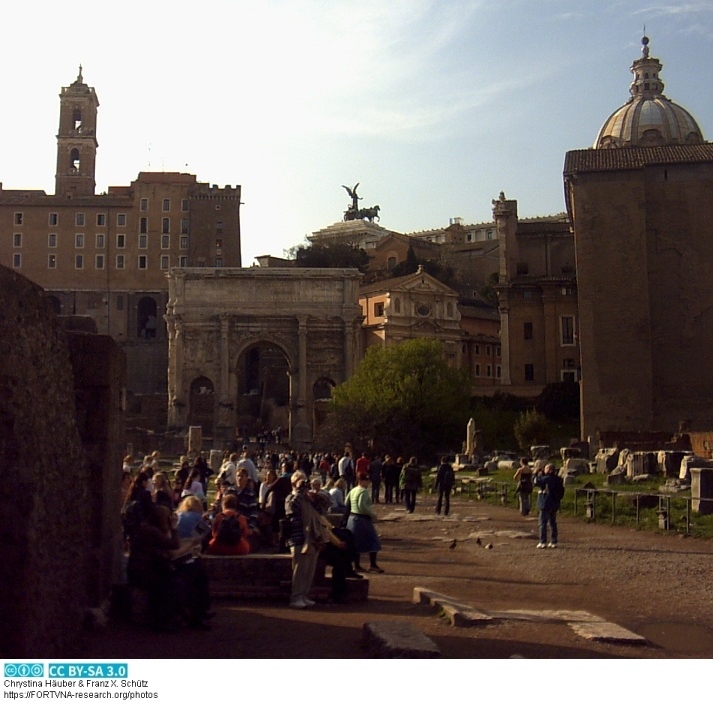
{"points": [[656, 585]]}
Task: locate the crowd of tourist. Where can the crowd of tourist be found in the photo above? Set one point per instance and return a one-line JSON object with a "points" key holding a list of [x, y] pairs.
{"points": [[310, 505]]}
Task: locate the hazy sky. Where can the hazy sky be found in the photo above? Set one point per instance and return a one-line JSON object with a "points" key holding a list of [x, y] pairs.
{"points": [[433, 106]]}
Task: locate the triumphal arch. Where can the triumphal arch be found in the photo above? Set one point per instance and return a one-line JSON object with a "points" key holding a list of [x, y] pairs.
{"points": [[259, 347]]}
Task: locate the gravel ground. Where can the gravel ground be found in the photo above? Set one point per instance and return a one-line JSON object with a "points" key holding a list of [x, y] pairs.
{"points": [[657, 585]]}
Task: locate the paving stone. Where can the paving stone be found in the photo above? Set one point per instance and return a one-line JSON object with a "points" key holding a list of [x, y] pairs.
{"points": [[463, 616], [397, 639], [549, 615], [607, 632]]}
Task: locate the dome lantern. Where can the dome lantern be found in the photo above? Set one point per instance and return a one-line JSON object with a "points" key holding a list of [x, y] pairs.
{"points": [[648, 118]]}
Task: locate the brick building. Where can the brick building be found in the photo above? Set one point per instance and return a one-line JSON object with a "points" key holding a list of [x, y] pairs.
{"points": [[106, 255], [641, 204]]}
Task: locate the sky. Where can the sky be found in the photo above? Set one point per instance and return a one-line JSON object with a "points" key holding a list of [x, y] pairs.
{"points": [[433, 106]]}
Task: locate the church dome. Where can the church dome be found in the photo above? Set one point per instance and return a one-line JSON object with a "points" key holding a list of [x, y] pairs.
{"points": [[648, 118]]}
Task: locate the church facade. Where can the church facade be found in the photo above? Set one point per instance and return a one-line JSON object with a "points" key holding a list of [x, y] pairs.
{"points": [[641, 205]]}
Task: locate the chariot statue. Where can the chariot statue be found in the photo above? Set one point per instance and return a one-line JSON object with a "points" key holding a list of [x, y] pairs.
{"points": [[355, 212]]}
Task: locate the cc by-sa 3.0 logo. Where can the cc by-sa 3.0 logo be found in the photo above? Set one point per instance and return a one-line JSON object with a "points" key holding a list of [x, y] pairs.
{"points": [[24, 670]]}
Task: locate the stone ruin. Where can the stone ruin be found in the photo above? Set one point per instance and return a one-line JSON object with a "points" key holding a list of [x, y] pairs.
{"points": [[61, 435]]}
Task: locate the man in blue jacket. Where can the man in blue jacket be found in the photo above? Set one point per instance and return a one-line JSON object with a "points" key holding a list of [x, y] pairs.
{"points": [[548, 502]]}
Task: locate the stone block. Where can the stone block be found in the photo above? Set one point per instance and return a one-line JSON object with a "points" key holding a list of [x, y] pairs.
{"points": [[397, 639]]}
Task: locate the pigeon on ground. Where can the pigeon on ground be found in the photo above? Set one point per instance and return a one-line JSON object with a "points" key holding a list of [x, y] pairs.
{"points": [[478, 542], [453, 544]]}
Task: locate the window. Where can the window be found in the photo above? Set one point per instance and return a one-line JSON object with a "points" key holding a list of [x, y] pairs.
{"points": [[498, 351], [489, 371], [397, 306], [120, 303], [79, 261], [523, 268], [121, 220], [567, 329], [490, 235], [99, 262], [17, 240], [53, 219], [529, 371], [166, 204], [498, 372], [120, 262], [477, 370], [184, 225], [143, 262], [219, 227], [79, 219], [378, 309], [144, 204], [165, 241], [143, 241], [164, 263], [184, 205], [101, 241], [17, 260], [52, 261], [219, 243], [101, 220], [165, 225], [218, 262], [52, 240], [527, 295], [568, 363], [121, 241], [144, 225], [391, 263], [569, 376], [79, 241], [18, 218], [527, 331], [183, 261], [476, 349], [449, 309], [183, 242]]}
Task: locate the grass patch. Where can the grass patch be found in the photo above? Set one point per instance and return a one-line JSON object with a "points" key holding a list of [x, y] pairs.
{"points": [[615, 504]]}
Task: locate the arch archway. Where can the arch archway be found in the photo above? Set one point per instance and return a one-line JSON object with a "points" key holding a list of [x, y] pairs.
{"points": [[264, 388], [55, 303], [201, 404], [321, 397]]}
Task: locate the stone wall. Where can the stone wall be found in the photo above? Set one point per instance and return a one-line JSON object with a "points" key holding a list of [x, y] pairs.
{"points": [[60, 417]]}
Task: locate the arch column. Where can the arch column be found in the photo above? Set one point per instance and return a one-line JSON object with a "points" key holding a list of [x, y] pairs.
{"points": [[177, 404], [301, 429], [225, 405]]}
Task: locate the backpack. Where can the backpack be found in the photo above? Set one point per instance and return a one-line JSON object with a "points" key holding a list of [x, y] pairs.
{"points": [[229, 530], [557, 488]]}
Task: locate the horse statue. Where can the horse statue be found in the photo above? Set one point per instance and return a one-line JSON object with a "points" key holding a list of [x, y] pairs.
{"points": [[370, 213]]}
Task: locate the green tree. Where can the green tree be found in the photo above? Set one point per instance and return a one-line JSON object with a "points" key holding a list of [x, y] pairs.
{"points": [[330, 256], [438, 270], [404, 399], [531, 429]]}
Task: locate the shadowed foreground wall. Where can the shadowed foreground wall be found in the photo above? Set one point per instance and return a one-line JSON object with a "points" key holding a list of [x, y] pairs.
{"points": [[60, 417]]}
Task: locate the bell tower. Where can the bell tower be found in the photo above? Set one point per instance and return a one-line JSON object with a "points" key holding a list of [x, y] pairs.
{"points": [[76, 140]]}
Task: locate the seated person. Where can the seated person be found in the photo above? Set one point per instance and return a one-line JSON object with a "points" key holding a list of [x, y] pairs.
{"points": [[337, 493], [190, 515], [174, 591], [230, 530], [316, 487]]}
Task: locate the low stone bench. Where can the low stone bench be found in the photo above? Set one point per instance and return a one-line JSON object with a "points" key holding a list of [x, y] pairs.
{"points": [[269, 576]]}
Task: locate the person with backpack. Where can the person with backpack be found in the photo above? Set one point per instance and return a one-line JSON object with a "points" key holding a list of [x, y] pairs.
{"points": [[411, 482], [230, 530], [548, 502], [523, 478], [445, 480]]}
